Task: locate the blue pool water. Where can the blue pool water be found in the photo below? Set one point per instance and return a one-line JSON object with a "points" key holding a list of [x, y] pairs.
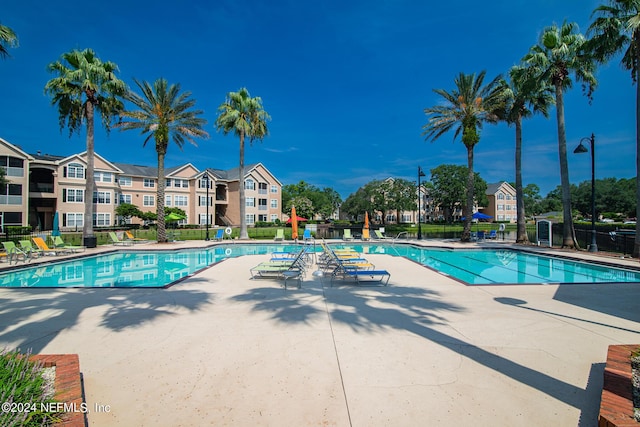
{"points": [[161, 268]]}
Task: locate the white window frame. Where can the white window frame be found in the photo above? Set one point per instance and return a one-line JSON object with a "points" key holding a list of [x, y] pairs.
{"points": [[149, 183], [125, 181], [250, 202], [180, 200], [106, 197], [75, 167], [274, 203], [148, 200], [274, 189], [125, 198], [249, 184], [76, 192]]}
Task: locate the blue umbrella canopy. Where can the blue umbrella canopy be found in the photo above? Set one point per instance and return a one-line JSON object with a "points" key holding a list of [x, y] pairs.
{"points": [[479, 215], [56, 224]]}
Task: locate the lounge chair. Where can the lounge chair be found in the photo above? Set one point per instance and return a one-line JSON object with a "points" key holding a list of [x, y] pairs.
{"points": [[26, 246], [42, 246], [130, 236], [346, 235], [493, 234], [365, 234], [14, 252], [219, 234], [279, 235], [116, 241], [378, 235], [480, 235], [306, 236], [58, 243]]}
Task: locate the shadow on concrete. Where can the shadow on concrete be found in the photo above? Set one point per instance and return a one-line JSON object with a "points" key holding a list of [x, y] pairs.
{"points": [[415, 310], [32, 318], [615, 299]]}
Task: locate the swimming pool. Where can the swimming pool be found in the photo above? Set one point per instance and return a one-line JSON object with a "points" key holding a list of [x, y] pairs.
{"points": [[157, 269]]}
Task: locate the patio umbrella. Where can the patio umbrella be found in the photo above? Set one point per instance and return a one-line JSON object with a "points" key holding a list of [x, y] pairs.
{"points": [[173, 217], [294, 223], [366, 220], [56, 225]]}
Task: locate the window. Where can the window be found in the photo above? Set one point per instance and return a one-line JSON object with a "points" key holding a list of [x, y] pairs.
{"points": [[12, 165], [203, 219], [262, 187], [149, 183], [75, 170], [274, 189], [500, 207], [262, 218], [11, 194], [72, 195], [101, 219], [202, 183], [167, 183], [125, 181], [508, 207], [102, 197], [167, 200], [274, 203], [262, 204], [103, 176], [202, 201], [250, 202], [183, 183], [180, 200], [251, 218], [73, 220], [274, 217], [125, 198], [249, 184], [508, 196], [148, 201], [500, 217], [407, 217]]}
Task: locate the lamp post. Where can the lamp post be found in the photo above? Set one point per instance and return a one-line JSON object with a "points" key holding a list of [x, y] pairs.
{"points": [[206, 236], [420, 174], [582, 149]]}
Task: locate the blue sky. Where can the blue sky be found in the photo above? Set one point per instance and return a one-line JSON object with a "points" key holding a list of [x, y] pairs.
{"points": [[346, 83]]}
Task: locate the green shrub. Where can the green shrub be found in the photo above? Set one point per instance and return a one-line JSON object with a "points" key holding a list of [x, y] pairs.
{"points": [[22, 385]]}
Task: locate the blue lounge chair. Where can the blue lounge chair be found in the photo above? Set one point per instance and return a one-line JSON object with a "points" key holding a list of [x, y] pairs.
{"points": [[493, 234], [306, 236], [219, 234]]}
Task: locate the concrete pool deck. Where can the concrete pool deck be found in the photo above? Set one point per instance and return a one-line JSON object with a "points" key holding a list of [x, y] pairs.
{"points": [[222, 349]]}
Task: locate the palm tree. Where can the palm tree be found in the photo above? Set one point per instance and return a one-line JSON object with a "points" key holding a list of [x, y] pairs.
{"points": [[527, 96], [84, 84], [245, 117], [467, 107], [164, 113], [8, 39], [617, 29], [559, 54]]}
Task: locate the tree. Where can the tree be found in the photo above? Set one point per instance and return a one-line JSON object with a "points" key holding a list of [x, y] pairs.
{"points": [[401, 195], [617, 29], [246, 118], [324, 202], [466, 108], [127, 210], [448, 189], [531, 199], [164, 114], [527, 95], [8, 39], [361, 201], [304, 207], [559, 54], [84, 84]]}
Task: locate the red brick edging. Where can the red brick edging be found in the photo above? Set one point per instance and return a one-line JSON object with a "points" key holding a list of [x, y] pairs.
{"points": [[616, 405], [68, 385]]}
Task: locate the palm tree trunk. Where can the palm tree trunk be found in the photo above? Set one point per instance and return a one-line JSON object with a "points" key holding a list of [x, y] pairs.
{"points": [[568, 233], [636, 246], [521, 234], [162, 231], [87, 227], [467, 211], [243, 206]]}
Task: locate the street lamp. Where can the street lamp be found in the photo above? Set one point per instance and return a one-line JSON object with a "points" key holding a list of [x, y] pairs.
{"points": [[206, 236], [582, 149], [420, 174]]}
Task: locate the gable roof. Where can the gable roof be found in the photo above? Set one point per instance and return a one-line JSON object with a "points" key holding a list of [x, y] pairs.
{"points": [[495, 187]]}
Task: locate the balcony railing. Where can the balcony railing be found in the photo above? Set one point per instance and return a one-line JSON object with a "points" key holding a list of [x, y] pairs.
{"points": [[10, 200], [41, 187]]}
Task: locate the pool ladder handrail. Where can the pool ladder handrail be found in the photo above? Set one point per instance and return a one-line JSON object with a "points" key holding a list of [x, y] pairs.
{"points": [[405, 233]]}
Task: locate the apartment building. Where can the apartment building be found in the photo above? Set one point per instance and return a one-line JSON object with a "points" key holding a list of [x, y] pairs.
{"points": [[502, 202], [42, 184]]}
